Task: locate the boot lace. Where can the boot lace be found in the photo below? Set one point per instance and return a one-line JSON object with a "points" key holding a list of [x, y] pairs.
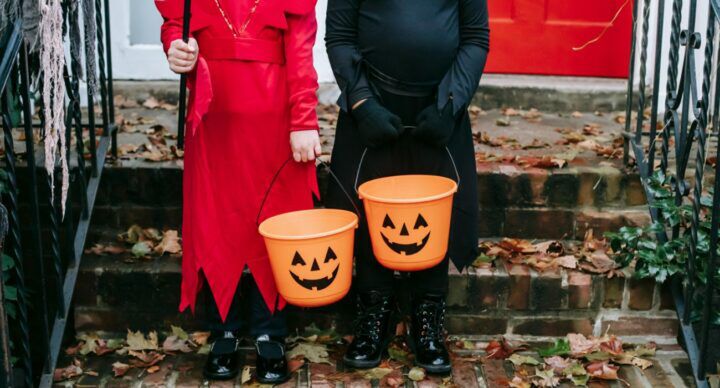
{"points": [[369, 323], [432, 321]]}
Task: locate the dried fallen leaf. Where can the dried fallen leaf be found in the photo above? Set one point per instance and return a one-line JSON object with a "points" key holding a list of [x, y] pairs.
{"points": [[153, 369], [120, 369], [170, 243], [416, 374], [145, 359], [519, 359], [176, 344], [376, 373], [503, 122], [141, 249], [69, 372], [603, 370], [200, 338], [121, 101], [519, 382], [567, 261], [151, 103], [545, 378], [509, 112], [138, 341], [315, 353], [503, 349], [558, 363], [246, 375]]}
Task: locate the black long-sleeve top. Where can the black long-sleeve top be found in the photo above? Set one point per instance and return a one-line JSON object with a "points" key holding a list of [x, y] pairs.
{"points": [[440, 42]]}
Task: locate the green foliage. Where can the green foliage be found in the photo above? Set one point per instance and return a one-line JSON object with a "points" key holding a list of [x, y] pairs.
{"points": [[561, 347], [641, 249]]}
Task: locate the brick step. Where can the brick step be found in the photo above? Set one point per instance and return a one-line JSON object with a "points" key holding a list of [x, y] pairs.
{"points": [[532, 203], [515, 222], [114, 295], [499, 185]]}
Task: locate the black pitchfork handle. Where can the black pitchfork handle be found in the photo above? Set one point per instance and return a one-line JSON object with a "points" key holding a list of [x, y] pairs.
{"points": [[183, 79]]}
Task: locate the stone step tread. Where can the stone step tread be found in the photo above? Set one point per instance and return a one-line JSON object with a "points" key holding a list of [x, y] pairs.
{"points": [[669, 370]]}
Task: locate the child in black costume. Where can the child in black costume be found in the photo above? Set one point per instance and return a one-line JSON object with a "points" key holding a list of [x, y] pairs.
{"points": [[408, 70]]}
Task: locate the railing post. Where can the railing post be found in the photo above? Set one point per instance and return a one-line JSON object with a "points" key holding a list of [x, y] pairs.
{"points": [[35, 234]]}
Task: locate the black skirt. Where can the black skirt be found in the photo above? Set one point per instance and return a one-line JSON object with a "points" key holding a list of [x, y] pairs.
{"points": [[409, 156]]}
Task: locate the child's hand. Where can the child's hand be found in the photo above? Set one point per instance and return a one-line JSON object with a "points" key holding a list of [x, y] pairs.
{"points": [[182, 56], [305, 145]]}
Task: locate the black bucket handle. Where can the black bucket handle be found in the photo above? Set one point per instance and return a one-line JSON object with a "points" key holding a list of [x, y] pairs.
{"points": [[282, 167], [407, 127]]}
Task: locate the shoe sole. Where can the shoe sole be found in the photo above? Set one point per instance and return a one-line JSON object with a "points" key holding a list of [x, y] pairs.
{"points": [[273, 382], [211, 376], [436, 370], [362, 364]]}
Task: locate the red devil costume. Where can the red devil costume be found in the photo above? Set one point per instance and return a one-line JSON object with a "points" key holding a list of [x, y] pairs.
{"points": [[254, 83]]}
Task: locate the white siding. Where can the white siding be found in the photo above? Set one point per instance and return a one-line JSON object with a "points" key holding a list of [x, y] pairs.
{"points": [[137, 53]]}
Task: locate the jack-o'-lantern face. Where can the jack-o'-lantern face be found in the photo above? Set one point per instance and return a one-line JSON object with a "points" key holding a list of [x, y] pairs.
{"points": [[315, 275], [404, 240]]}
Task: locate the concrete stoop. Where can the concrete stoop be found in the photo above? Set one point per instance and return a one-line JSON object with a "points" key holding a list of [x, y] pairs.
{"points": [[547, 93]]}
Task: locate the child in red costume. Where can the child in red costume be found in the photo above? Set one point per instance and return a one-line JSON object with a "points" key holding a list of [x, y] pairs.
{"points": [[251, 108]]}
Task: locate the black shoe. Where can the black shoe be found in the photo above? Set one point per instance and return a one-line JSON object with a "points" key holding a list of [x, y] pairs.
{"points": [[371, 331], [271, 365], [222, 362], [428, 333]]}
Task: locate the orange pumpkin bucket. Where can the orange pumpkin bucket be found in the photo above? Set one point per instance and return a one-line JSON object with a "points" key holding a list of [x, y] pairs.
{"points": [[408, 219], [311, 254], [310, 251]]}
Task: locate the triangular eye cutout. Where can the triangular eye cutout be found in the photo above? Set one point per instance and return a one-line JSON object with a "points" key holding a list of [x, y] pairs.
{"points": [[297, 259], [330, 255], [420, 222], [387, 223]]}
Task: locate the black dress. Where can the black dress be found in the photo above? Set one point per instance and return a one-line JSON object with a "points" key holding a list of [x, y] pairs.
{"points": [[408, 54]]}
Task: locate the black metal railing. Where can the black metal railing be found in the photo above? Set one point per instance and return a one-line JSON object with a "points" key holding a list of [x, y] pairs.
{"points": [[679, 147], [43, 247]]}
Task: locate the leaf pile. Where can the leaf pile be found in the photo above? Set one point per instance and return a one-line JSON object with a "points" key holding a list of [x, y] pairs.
{"points": [[143, 351], [142, 243], [542, 256], [576, 359], [527, 161]]}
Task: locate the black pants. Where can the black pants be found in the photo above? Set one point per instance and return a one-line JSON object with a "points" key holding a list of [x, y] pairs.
{"points": [[259, 321]]}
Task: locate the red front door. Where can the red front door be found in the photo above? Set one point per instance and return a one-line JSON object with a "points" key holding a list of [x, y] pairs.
{"points": [[538, 37]]}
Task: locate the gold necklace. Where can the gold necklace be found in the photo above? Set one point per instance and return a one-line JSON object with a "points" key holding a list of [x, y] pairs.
{"points": [[245, 24]]}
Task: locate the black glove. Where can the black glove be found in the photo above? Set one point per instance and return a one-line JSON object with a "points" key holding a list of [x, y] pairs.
{"points": [[434, 126], [377, 125]]}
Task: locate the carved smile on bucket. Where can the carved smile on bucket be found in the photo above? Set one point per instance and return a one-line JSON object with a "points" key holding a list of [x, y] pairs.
{"points": [[409, 248], [317, 278]]}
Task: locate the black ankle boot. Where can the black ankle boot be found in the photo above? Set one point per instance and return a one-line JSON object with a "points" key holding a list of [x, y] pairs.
{"points": [[271, 365], [371, 330], [222, 362], [428, 332]]}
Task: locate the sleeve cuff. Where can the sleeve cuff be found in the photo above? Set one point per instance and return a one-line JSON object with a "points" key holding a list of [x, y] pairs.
{"points": [[358, 95]]}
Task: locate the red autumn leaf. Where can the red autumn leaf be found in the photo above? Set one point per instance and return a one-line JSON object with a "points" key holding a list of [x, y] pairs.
{"points": [[612, 345], [295, 364], [500, 350], [602, 370], [145, 359]]}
